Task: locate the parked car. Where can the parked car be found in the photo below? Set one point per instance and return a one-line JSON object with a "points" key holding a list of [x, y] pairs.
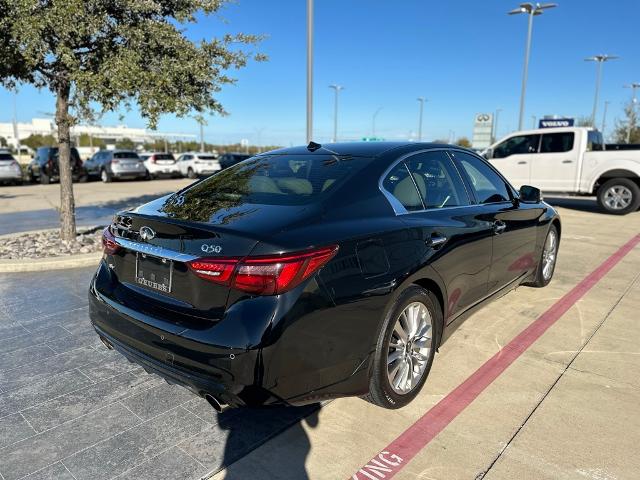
{"points": [[44, 166], [194, 164], [10, 170], [109, 165], [229, 159], [161, 164], [309, 273], [572, 160]]}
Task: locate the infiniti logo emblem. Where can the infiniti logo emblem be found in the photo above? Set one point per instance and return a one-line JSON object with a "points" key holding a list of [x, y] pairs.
{"points": [[147, 233]]}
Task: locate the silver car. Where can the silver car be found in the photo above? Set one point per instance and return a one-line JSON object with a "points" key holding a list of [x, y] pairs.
{"points": [[109, 165], [10, 171]]}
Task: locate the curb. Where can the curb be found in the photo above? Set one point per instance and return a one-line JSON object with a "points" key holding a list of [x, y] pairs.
{"points": [[53, 263]]}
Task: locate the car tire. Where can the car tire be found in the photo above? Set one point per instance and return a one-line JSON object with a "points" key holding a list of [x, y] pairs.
{"points": [[191, 174], [105, 176], [45, 179], [619, 196], [390, 377], [548, 254]]}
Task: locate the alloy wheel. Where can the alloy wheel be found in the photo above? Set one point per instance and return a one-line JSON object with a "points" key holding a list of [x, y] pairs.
{"points": [[409, 348], [549, 254], [618, 197]]}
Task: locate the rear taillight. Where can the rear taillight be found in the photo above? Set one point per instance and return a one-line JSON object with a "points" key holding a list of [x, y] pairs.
{"points": [[152, 159], [268, 275], [115, 161], [109, 242]]}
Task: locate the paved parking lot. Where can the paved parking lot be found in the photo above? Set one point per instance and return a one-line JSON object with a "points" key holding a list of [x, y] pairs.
{"points": [[567, 407]]}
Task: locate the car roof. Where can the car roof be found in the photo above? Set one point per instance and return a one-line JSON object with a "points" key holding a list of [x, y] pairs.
{"points": [[357, 149]]}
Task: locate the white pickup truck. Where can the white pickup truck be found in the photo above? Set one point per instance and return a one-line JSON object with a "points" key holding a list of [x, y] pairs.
{"points": [[571, 160]]}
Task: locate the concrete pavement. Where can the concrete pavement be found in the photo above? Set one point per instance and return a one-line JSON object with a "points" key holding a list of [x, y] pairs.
{"points": [[568, 407]]}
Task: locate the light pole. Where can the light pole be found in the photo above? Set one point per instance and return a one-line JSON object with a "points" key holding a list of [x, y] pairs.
{"points": [[373, 122], [495, 125], [309, 70], [604, 117], [16, 132], [533, 122], [632, 120], [531, 10], [201, 137], [336, 89], [421, 100], [599, 59]]}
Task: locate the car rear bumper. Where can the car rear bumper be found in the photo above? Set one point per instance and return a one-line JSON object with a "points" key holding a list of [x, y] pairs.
{"points": [[194, 358]]}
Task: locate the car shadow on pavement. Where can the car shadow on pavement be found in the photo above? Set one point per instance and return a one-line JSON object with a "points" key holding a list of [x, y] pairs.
{"points": [[582, 204], [290, 463]]}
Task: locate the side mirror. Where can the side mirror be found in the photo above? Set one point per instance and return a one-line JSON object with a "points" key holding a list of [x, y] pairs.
{"points": [[529, 194], [488, 154]]}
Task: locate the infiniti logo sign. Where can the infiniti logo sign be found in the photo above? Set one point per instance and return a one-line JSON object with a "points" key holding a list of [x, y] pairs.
{"points": [[147, 233]]}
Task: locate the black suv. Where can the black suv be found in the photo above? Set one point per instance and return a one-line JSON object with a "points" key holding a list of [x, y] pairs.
{"points": [[44, 166]]}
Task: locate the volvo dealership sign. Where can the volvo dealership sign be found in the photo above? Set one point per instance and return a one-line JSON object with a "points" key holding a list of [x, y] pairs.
{"points": [[556, 122]]}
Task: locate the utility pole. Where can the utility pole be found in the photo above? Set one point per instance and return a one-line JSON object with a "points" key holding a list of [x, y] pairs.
{"points": [[337, 89], [599, 59], [201, 137], [531, 10], [604, 118], [634, 86], [495, 125], [421, 100], [373, 122], [309, 70]]}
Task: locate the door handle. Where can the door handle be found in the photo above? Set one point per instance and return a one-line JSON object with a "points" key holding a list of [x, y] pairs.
{"points": [[499, 226], [435, 241], [567, 161], [522, 162]]}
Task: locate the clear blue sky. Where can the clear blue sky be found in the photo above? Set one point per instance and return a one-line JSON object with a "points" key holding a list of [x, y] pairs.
{"points": [[465, 57]]}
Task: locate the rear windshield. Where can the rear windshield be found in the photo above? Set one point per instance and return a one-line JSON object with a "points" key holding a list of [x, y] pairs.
{"points": [[239, 158], [275, 180], [163, 156], [206, 157], [126, 155], [6, 156]]}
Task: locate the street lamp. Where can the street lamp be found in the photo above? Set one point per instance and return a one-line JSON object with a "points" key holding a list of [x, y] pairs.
{"points": [[337, 89], [421, 100], [604, 117], [533, 122], [531, 10], [494, 134], [373, 122], [599, 59], [634, 86], [309, 70]]}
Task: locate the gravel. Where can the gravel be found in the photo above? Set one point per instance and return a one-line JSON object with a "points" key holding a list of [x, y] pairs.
{"points": [[47, 244]]}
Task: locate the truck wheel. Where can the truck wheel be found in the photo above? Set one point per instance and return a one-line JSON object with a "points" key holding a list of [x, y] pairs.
{"points": [[619, 196]]}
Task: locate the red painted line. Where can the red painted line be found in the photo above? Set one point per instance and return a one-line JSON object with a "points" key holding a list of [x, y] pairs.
{"points": [[396, 455]]}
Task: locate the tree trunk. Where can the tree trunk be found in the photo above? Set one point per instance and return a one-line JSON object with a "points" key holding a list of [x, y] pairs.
{"points": [[67, 203]]}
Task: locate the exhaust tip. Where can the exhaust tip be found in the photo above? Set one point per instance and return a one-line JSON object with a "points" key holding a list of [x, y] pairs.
{"points": [[106, 343], [213, 402]]}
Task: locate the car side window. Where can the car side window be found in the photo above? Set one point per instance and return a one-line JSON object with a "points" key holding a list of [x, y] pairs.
{"points": [[438, 181], [402, 188], [556, 142], [517, 146], [487, 184]]}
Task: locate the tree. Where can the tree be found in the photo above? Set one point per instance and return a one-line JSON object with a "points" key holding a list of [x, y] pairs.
{"points": [[627, 129], [463, 142], [84, 140], [3, 142], [126, 144], [36, 140], [115, 54]]}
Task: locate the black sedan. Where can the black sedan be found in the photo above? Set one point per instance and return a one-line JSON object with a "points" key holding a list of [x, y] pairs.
{"points": [[317, 272]]}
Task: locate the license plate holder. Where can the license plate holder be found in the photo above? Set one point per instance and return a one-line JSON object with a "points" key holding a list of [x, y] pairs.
{"points": [[154, 273]]}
